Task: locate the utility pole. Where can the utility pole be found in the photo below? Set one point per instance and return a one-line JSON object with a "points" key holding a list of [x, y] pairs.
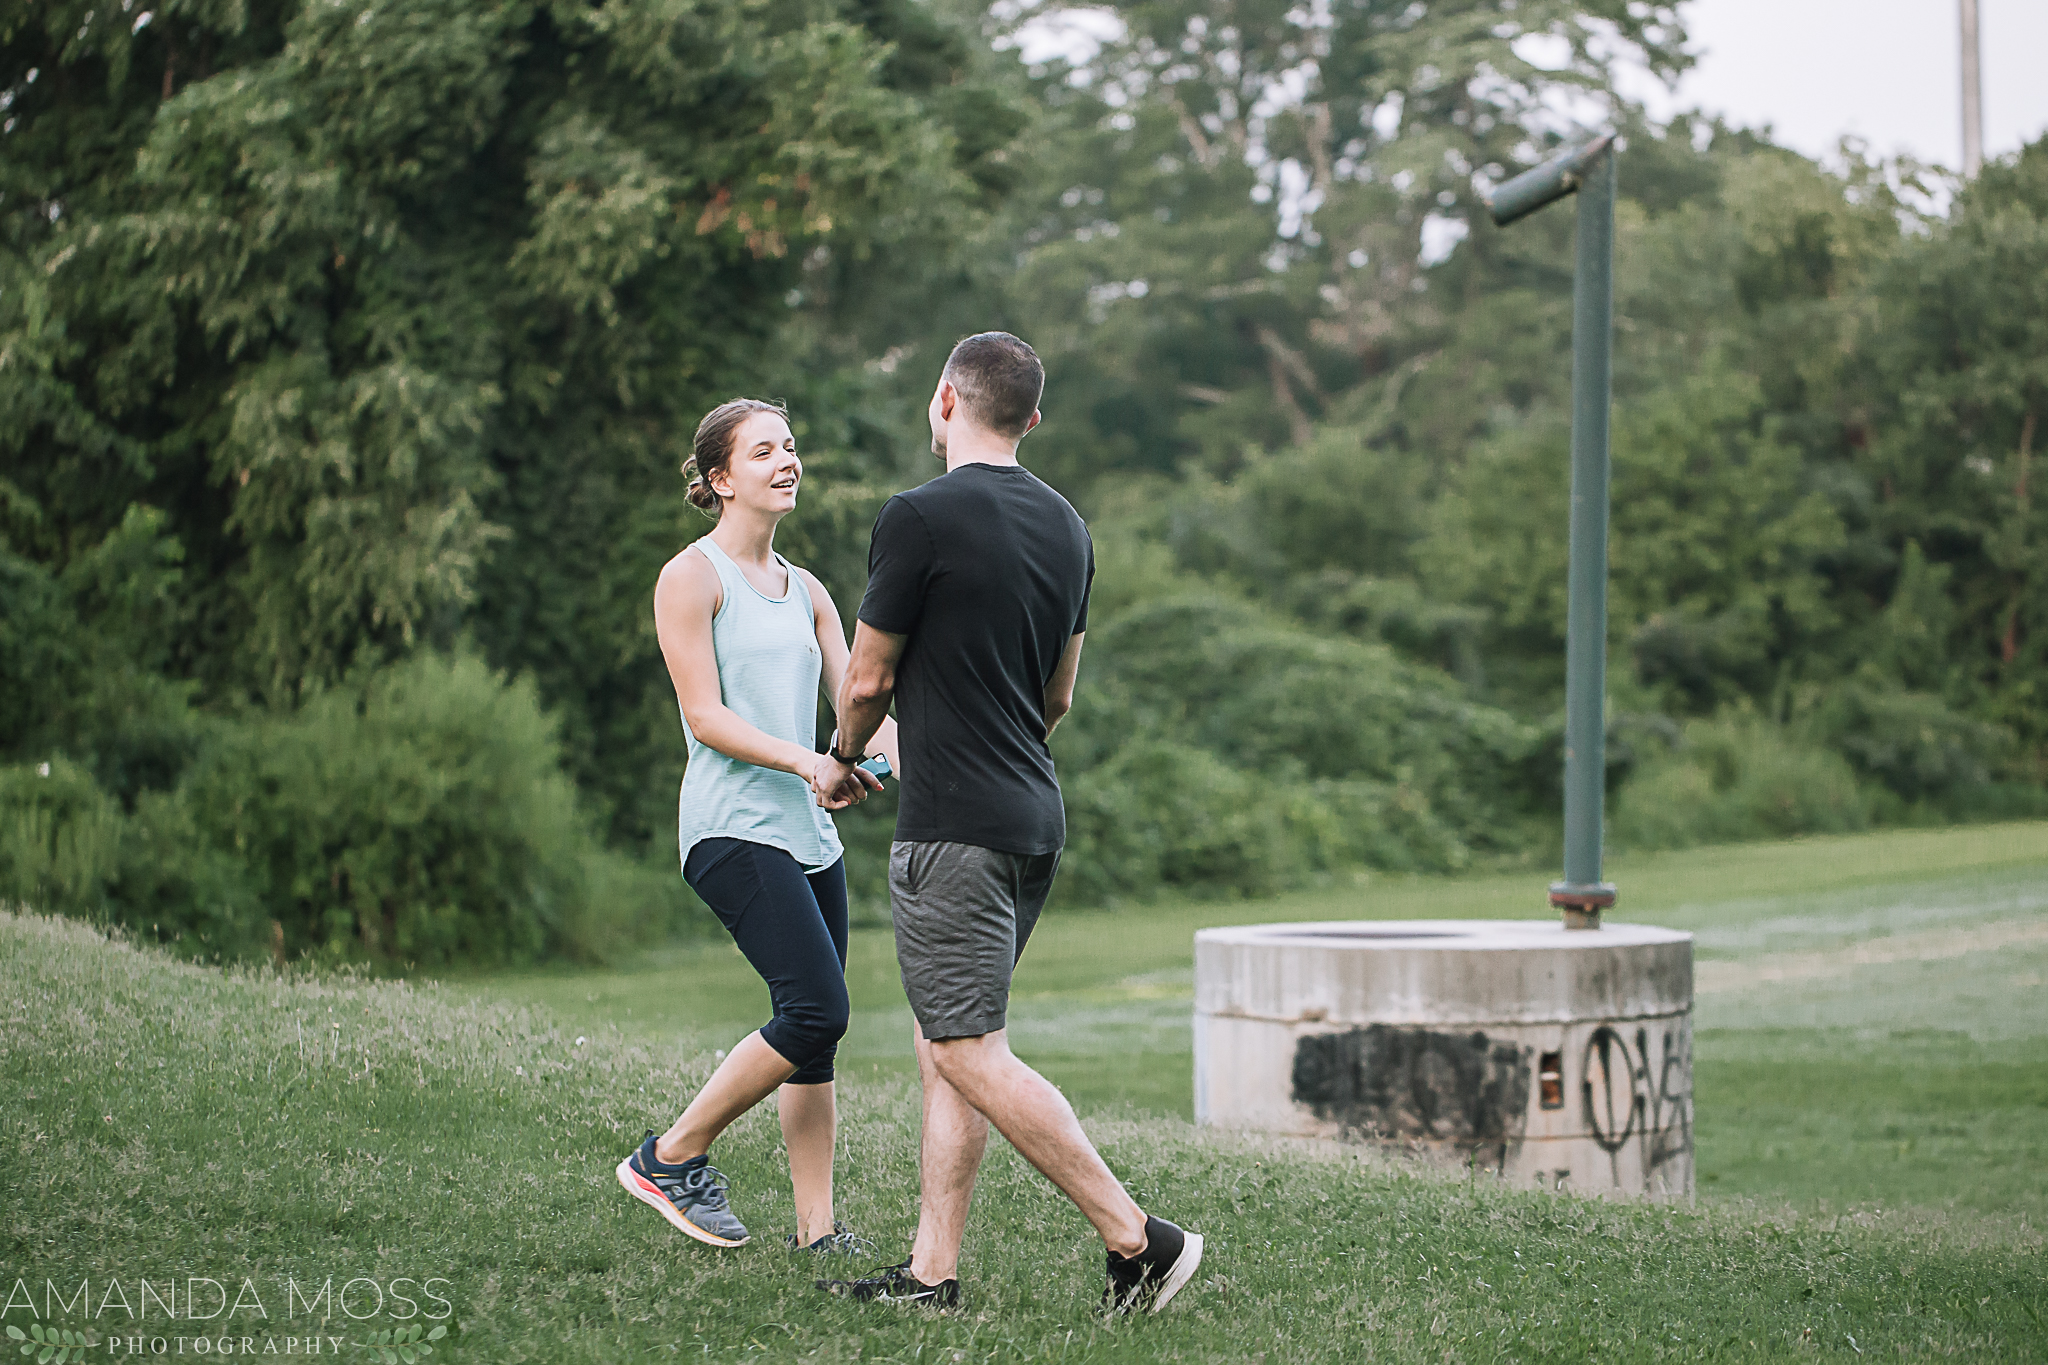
{"points": [[1588, 172], [1973, 95]]}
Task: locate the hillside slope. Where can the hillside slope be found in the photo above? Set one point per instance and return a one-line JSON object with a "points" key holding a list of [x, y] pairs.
{"points": [[166, 1122]]}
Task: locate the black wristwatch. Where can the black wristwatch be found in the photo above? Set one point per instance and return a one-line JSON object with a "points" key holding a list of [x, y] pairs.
{"points": [[837, 757]]}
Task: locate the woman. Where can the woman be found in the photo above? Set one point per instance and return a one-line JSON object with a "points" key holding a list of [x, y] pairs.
{"points": [[747, 637]]}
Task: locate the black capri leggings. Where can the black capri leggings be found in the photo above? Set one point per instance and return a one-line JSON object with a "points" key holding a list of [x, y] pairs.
{"points": [[791, 925]]}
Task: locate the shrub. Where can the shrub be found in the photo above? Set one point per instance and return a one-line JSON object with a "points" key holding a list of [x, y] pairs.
{"points": [[1910, 741], [1738, 777], [61, 839], [1160, 816], [67, 846], [1165, 815], [1219, 749], [418, 816]]}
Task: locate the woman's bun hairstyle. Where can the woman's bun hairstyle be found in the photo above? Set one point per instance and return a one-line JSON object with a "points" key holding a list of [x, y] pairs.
{"points": [[711, 451]]}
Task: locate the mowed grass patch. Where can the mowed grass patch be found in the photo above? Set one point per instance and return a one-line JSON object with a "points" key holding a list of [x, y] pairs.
{"points": [[1872, 1017], [1902, 1121], [166, 1121]]}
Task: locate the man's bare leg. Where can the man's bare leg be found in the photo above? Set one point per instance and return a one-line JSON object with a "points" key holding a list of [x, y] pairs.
{"points": [[949, 1157], [1030, 1111], [810, 1122]]}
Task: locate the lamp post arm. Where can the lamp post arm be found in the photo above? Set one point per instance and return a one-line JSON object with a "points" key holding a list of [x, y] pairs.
{"points": [[1545, 184]]}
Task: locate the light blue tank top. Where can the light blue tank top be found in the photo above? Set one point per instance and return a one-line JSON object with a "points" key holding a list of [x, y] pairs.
{"points": [[768, 667]]}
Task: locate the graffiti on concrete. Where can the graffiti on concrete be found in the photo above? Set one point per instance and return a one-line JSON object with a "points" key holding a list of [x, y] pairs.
{"points": [[1406, 1083], [1637, 1093]]}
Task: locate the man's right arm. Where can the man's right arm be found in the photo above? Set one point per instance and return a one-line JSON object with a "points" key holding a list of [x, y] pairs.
{"points": [[900, 555], [869, 685]]}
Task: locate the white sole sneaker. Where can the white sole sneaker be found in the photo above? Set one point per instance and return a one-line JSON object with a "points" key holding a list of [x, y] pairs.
{"points": [[645, 1190], [1181, 1271]]}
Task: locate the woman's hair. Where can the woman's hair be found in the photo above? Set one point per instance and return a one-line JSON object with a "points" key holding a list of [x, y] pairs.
{"points": [[712, 449]]}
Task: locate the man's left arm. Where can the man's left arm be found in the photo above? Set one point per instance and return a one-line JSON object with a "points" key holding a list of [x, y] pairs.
{"points": [[1059, 689]]}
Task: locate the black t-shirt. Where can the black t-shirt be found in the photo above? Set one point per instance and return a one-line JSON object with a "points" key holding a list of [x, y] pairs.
{"points": [[986, 570]]}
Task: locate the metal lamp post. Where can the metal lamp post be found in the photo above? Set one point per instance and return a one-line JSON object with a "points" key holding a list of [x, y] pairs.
{"points": [[1589, 171]]}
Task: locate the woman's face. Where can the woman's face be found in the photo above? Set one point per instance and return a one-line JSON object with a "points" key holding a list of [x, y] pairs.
{"points": [[764, 471]]}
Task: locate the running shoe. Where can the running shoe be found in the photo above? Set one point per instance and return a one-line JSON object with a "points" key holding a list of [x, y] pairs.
{"points": [[1148, 1281], [839, 1241], [895, 1284], [691, 1195]]}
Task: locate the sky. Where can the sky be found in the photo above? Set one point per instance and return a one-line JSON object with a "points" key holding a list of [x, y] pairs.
{"points": [[1885, 70]]}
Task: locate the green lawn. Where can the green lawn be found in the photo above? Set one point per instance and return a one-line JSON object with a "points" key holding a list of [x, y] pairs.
{"points": [[1870, 1068], [1827, 1074]]}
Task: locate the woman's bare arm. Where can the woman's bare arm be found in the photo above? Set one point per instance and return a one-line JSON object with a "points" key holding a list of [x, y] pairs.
{"points": [[832, 644]]}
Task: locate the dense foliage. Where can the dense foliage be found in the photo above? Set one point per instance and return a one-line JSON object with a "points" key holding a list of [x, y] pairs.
{"points": [[331, 333], [336, 336]]}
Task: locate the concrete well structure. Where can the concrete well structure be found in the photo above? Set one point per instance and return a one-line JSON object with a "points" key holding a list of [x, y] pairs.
{"points": [[1556, 1058]]}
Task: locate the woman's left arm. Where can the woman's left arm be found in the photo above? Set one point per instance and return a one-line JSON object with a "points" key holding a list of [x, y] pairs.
{"points": [[832, 645]]}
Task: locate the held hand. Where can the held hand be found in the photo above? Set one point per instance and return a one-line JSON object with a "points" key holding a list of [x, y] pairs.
{"points": [[855, 789], [833, 785]]}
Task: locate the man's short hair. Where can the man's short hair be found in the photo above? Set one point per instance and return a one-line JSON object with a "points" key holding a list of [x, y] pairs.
{"points": [[1000, 379]]}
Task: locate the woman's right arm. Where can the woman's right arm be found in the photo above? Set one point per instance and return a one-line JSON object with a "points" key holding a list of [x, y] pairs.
{"points": [[685, 599]]}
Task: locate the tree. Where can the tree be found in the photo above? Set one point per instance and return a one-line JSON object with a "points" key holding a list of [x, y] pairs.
{"points": [[1959, 349], [401, 314]]}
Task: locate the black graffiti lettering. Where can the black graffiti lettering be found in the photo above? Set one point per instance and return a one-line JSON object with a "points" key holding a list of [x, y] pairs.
{"points": [[1670, 1129], [1612, 1105], [1625, 1099]]}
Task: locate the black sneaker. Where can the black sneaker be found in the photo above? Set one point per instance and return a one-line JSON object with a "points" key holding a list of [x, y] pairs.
{"points": [[839, 1241], [692, 1196], [1148, 1281], [895, 1284]]}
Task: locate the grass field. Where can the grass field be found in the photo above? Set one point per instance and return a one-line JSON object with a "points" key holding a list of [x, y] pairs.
{"points": [[1873, 1022], [1870, 1081]]}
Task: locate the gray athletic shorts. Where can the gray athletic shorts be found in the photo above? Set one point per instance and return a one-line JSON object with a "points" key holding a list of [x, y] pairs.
{"points": [[963, 914]]}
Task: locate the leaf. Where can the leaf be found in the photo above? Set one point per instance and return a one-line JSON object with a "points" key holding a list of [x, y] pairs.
{"points": [[438, 1332], [405, 1354], [48, 1353], [36, 1330], [16, 1332]]}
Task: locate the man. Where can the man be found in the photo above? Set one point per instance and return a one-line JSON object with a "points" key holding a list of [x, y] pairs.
{"points": [[976, 604]]}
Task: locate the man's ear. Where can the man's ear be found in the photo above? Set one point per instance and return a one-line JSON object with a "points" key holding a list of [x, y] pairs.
{"points": [[949, 399], [1036, 418]]}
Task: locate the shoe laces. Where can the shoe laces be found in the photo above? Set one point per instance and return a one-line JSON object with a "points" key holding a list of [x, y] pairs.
{"points": [[840, 1241], [848, 1243], [709, 1184], [891, 1275]]}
